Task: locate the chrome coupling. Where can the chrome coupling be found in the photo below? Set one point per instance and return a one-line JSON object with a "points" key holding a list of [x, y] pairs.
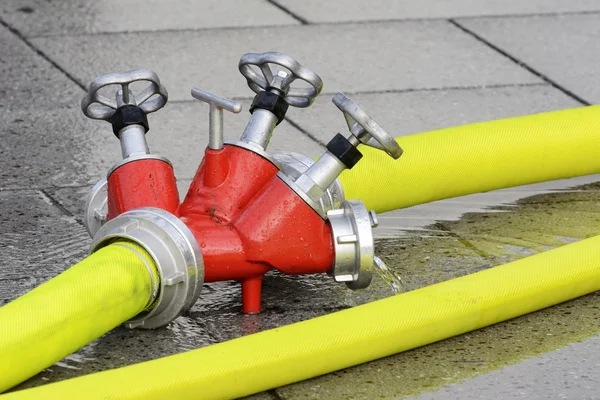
{"points": [[292, 166], [175, 252], [351, 227]]}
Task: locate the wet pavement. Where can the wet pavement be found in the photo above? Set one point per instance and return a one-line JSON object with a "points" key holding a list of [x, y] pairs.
{"points": [[414, 66]]}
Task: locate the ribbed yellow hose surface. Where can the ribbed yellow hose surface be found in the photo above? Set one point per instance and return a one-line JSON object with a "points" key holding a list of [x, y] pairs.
{"points": [[476, 158], [295, 352], [71, 310]]}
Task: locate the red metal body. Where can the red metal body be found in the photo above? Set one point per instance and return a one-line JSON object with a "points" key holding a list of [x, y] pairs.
{"points": [[142, 183], [246, 220]]}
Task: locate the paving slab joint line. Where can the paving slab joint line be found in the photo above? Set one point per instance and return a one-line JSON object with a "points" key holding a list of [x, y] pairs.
{"points": [[18, 188], [42, 54], [289, 12], [530, 15], [442, 227], [35, 187], [157, 31], [519, 62], [428, 19], [303, 21], [392, 91], [56, 203], [61, 207], [305, 132], [438, 89]]}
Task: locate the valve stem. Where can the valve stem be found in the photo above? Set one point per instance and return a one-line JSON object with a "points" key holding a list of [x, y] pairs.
{"points": [[342, 153], [215, 117]]}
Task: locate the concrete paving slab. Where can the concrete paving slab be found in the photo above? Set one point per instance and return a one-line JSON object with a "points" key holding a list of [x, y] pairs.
{"points": [[43, 18], [180, 133], [37, 239], [563, 48], [66, 149], [412, 112], [73, 199], [28, 81], [53, 149], [568, 373], [349, 10], [394, 56]]}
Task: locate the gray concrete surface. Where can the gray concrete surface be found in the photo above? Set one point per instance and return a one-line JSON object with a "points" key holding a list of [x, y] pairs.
{"points": [[87, 148], [434, 55], [28, 81], [423, 110], [568, 373], [419, 70], [44, 18], [380, 10], [563, 48]]}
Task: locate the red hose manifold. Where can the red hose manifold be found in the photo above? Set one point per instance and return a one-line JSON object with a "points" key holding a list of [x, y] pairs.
{"points": [[248, 211]]}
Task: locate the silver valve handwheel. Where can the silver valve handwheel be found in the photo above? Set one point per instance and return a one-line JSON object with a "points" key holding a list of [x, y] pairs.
{"points": [[152, 98], [294, 96], [364, 128]]}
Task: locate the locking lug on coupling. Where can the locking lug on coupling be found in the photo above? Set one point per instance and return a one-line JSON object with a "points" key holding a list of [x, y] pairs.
{"points": [[96, 209]]}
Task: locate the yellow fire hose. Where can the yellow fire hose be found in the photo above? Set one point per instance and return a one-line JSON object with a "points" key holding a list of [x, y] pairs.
{"points": [[307, 349], [476, 158], [114, 284], [73, 309]]}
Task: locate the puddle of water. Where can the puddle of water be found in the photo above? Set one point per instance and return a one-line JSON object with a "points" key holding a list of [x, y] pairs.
{"points": [[393, 224]]}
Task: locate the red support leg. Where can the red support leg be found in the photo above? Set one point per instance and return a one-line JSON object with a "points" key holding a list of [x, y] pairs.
{"points": [[251, 293]]}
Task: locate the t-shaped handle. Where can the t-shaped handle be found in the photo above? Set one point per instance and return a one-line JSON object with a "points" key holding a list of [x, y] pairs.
{"points": [[217, 105]]}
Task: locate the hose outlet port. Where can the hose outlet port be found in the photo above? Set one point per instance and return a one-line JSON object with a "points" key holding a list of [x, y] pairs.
{"points": [[353, 244]]}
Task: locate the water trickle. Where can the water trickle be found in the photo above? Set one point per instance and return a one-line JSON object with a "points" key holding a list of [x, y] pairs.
{"points": [[388, 276]]}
